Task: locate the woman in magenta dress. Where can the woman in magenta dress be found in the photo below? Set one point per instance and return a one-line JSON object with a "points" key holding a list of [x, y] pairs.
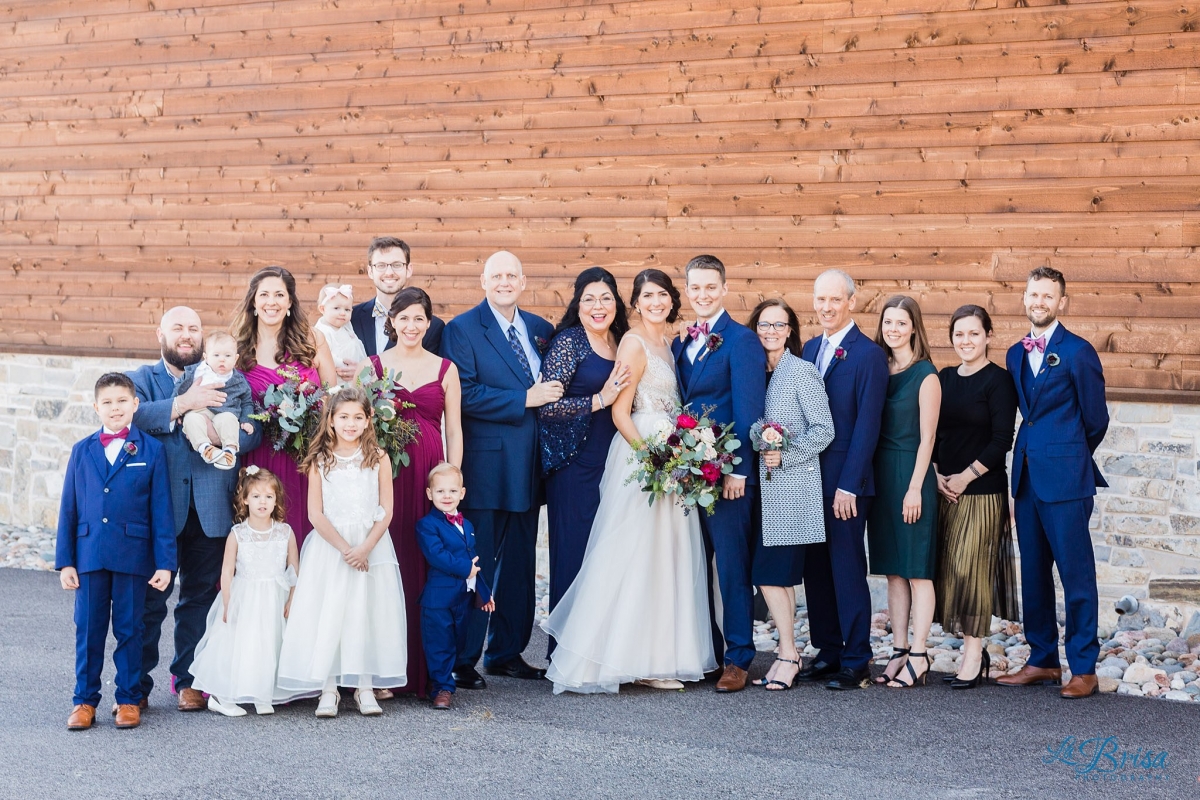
{"points": [[272, 333], [426, 388]]}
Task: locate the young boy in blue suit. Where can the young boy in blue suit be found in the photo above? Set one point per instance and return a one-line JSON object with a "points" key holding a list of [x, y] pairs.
{"points": [[448, 543], [116, 534]]}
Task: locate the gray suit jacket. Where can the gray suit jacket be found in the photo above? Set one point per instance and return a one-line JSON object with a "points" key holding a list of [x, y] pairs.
{"points": [[193, 483], [792, 508]]}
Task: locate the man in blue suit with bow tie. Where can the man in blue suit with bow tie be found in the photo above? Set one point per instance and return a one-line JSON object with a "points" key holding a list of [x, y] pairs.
{"points": [[201, 497], [115, 535], [1060, 391], [498, 350]]}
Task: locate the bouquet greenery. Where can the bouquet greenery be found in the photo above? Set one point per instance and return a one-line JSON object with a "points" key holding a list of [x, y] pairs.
{"points": [[289, 412], [393, 431], [686, 458]]}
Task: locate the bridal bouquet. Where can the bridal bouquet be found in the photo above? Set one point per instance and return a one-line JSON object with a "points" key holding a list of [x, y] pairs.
{"points": [[393, 432], [289, 412], [766, 436], [686, 458]]}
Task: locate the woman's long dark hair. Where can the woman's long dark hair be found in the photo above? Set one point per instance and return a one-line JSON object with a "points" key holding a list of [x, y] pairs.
{"points": [[793, 339], [660, 279], [570, 317], [295, 338]]}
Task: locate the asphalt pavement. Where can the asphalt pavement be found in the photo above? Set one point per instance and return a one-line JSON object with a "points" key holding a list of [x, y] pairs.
{"points": [[516, 739]]}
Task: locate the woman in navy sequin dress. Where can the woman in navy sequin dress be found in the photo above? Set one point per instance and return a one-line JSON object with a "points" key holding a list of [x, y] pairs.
{"points": [[575, 432]]}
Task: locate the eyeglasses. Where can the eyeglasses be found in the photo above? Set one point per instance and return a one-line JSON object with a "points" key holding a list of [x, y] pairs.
{"points": [[396, 267], [591, 302], [778, 327]]}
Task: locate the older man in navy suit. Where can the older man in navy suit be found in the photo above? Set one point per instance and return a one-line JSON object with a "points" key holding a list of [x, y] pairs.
{"points": [[201, 498], [498, 349], [1060, 391], [855, 371], [389, 266], [722, 365]]}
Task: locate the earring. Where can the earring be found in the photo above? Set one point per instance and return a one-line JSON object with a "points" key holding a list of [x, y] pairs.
{"points": [[288, 313]]}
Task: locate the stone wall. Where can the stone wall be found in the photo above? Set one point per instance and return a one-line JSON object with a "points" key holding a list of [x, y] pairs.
{"points": [[1146, 527]]}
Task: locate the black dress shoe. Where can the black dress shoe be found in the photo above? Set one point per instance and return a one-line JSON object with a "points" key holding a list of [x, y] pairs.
{"points": [[850, 679], [816, 671], [515, 668], [466, 677]]}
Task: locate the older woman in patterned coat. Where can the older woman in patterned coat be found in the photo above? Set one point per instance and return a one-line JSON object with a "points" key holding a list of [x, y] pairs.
{"points": [[789, 479]]}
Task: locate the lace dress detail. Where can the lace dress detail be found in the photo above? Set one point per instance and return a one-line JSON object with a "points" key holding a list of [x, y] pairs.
{"points": [[658, 390], [564, 425], [237, 658], [350, 502]]}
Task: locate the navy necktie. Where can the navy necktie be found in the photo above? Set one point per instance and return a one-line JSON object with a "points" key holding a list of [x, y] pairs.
{"points": [[515, 340]]}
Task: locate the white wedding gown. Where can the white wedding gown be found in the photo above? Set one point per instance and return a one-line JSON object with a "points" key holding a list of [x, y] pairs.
{"points": [[639, 606]]}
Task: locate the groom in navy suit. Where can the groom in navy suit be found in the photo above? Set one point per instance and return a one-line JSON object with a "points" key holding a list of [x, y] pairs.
{"points": [[1060, 391], [855, 371], [722, 365], [498, 351]]}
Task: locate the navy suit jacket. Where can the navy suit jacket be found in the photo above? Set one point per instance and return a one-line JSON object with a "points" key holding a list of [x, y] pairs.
{"points": [[116, 517], [857, 388], [363, 321], [501, 466], [192, 481], [449, 555], [1064, 419], [733, 380]]}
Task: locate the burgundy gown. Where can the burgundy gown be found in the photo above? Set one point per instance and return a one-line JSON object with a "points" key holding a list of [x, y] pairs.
{"points": [[410, 504], [295, 483]]}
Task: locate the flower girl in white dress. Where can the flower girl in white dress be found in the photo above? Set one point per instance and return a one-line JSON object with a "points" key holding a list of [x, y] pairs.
{"points": [[347, 622], [235, 662], [336, 304]]}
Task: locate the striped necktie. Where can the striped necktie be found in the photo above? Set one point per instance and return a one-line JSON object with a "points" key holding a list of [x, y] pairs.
{"points": [[515, 341]]}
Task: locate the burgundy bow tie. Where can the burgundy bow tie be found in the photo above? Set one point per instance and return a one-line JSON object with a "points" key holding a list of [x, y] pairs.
{"points": [[455, 518], [697, 331], [107, 438], [1029, 343]]}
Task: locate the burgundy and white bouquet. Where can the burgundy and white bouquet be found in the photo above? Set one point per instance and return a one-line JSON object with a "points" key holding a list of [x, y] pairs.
{"points": [[769, 436], [289, 412], [686, 458]]}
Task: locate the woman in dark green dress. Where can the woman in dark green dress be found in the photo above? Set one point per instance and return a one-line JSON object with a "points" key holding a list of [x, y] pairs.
{"points": [[902, 523]]}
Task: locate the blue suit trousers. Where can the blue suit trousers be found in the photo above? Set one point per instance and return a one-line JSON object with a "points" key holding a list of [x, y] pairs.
{"points": [[836, 591], [443, 636], [103, 594], [727, 536], [506, 542]]}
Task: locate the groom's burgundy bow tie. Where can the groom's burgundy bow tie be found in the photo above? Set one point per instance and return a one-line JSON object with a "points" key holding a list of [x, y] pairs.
{"points": [[107, 438], [454, 519], [1029, 343], [698, 330]]}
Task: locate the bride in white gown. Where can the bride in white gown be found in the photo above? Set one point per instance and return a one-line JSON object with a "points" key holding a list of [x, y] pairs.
{"points": [[638, 610]]}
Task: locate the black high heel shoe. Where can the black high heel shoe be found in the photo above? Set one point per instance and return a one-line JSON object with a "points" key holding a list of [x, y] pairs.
{"points": [[764, 682], [985, 666], [896, 683], [897, 654]]}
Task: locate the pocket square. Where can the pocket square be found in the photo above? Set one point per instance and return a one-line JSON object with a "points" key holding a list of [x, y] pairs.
{"points": [[137, 464]]}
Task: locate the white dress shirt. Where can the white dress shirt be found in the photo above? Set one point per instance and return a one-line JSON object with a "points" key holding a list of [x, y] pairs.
{"points": [[696, 345], [531, 353], [835, 341], [1035, 356]]}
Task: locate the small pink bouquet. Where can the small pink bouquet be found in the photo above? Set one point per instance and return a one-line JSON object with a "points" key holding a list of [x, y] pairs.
{"points": [[769, 436]]}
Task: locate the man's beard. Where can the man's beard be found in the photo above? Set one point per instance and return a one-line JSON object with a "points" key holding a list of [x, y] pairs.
{"points": [[1048, 320], [178, 360]]}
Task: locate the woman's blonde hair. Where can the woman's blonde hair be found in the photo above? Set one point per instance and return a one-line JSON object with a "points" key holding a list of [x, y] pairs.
{"points": [[248, 477], [320, 448]]}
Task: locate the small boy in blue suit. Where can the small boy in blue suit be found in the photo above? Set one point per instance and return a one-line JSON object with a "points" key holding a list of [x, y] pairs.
{"points": [[116, 534], [448, 543]]}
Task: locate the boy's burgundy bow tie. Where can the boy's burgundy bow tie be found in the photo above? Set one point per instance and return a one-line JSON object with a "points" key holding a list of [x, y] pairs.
{"points": [[455, 519], [107, 438], [1029, 343], [698, 330]]}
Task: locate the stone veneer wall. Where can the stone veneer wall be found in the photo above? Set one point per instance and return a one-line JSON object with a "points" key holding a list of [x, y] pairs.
{"points": [[1146, 528]]}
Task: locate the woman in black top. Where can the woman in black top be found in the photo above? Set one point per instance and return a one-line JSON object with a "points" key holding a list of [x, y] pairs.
{"points": [[975, 575]]}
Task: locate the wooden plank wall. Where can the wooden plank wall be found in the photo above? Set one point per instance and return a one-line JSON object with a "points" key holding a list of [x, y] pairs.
{"points": [[158, 151]]}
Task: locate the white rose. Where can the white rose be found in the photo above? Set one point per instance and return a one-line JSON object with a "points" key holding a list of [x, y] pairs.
{"points": [[772, 437], [663, 428], [710, 452], [707, 436]]}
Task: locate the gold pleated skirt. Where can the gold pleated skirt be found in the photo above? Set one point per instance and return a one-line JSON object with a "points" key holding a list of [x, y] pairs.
{"points": [[976, 574]]}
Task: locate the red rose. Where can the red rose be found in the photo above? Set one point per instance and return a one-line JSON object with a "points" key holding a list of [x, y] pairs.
{"points": [[711, 473], [686, 421]]}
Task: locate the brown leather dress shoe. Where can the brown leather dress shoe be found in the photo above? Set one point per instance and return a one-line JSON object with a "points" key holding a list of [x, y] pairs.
{"points": [[1029, 676], [1080, 686], [732, 680], [443, 700], [192, 700], [82, 717], [143, 704], [128, 716]]}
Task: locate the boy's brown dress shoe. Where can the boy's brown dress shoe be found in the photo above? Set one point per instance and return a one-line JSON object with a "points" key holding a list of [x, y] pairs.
{"points": [[1080, 686], [192, 700], [143, 704], [1029, 676], [443, 700], [128, 716], [82, 717]]}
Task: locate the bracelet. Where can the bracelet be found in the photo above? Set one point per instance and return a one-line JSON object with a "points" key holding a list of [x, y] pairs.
{"points": [[600, 400], [972, 468]]}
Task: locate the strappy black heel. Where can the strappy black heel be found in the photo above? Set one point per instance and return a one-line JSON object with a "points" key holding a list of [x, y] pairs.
{"points": [[985, 666], [897, 654], [896, 683], [782, 686]]}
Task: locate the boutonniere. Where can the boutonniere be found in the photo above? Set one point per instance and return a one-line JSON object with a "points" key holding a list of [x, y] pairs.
{"points": [[541, 343], [713, 341], [130, 448], [1053, 360], [840, 354]]}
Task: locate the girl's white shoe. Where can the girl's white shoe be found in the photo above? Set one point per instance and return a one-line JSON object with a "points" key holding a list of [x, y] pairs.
{"points": [[328, 707], [367, 705], [264, 708], [228, 709]]}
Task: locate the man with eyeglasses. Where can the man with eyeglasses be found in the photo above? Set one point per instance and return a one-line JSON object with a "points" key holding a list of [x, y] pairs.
{"points": [[389, 268]]}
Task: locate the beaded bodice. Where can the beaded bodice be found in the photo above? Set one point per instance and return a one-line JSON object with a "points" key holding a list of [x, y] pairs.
{"points": [[658, 390]]}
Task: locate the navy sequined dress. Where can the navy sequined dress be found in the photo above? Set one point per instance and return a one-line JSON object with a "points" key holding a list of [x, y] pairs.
{"points": [[574, 446]]}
